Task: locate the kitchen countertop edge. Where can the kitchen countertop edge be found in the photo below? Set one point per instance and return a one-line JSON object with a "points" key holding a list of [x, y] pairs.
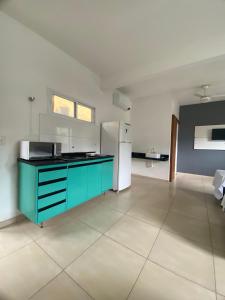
{"points": [[47, 162]]}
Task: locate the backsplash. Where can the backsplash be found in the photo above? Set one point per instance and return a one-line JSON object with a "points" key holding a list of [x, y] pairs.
{"points": [[75, 136]]}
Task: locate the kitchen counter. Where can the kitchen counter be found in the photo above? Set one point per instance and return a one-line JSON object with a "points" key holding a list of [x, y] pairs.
{"points": [[63, 160], [163, 157], [50, 187]]}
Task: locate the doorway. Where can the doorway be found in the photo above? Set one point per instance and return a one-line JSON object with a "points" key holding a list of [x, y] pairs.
{"points": [[173, 147]]}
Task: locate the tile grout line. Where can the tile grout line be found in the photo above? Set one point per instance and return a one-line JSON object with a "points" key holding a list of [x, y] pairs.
{"points": [[77, 259], [46, 284], [149, 253], [79, 285], [92, 244], [103, 234], [168, 270], [33, 240], [161, 229], [181, 276], [63, 269], [213, 251], [14, 251], [124, 246], [42, 249]]}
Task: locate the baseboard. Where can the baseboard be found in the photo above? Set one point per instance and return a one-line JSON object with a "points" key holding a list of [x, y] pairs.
{"points": [[12, 221], [154, 178]]}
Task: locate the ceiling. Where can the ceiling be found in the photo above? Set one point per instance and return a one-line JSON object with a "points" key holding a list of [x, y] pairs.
{"points": [[182, 83], [144, 47]]}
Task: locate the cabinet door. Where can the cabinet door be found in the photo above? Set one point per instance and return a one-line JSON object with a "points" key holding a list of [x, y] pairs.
{"points": [[107, 176], [77, 186], [94, 180]]}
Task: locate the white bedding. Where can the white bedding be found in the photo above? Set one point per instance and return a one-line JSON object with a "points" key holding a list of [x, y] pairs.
{"points": [[219, 184]]}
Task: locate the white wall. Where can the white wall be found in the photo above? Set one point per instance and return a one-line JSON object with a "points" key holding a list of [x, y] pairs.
{"points": [[30, 66], [151, 122], [74, 135]]}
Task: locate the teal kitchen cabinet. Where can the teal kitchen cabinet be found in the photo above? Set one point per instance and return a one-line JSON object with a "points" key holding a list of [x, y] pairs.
{"points": [[106, 176], [42, 191], [46, 191], [77, 185], [94, 180]]}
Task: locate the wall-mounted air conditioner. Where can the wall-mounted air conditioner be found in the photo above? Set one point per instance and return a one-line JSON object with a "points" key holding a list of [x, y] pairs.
{"points": [[120, 100]]}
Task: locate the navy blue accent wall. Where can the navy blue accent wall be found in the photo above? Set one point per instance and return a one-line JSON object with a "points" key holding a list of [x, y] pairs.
{"points": [[202, 162]]}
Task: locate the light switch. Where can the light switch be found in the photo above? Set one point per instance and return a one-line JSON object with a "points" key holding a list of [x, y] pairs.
{"points": [[2, 140]]}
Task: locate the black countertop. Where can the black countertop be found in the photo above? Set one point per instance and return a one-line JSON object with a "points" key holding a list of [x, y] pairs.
{"points": [[163, 157], [62, 160]]}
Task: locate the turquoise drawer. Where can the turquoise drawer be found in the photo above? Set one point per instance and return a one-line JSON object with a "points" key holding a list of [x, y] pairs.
{"points": [[52, 175], [43, 202], [51, 212], [51, 188]]}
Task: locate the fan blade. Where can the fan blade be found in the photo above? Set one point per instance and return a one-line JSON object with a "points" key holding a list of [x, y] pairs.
{"points": [[198, 95]]}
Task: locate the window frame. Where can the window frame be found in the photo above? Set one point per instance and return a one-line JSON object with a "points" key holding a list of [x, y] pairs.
{"points": [[88, 106], [76, 102], [63, 97]]}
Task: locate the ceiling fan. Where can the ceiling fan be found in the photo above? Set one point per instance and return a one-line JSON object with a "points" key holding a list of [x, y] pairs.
{"points": [[204, 97]]}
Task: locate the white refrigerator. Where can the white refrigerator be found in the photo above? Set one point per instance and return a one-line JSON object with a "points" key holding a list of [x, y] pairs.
{"points": [[116, 140]]}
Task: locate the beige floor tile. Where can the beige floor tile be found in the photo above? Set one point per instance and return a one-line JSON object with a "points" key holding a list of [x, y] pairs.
{"points": [[142, 189], [208, 184], [34, 231], [191, 186], [216, 214], [219, 260], [148, 213], [209, 197], [11, 239], [218, 236], [163, 185], [25, 272], [211, 200], [192, 197], [66, 243], [220, 297], [142, 180], [100, 218], [106, 270], [157, 283], [134, 234], [121, 204], [156, 199], [58, 220], [134, 191], [190, 182], [62, 287], [184, 257], [122, 194], [188, 227], [190, 207], [76, 212]]}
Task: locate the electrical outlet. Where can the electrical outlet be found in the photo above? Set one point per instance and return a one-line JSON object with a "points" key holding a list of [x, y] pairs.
{"points": [[2, 140]]}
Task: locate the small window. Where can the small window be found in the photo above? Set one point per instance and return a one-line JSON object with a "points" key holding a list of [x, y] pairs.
{"points": [[72, 108], [84, 113], [63, 106]]}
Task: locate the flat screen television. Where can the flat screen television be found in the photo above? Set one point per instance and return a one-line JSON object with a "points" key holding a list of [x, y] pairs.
{"points": [[218, 134]]}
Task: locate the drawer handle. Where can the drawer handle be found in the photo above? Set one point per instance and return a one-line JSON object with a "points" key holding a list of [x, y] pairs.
{"points": [[52, 169], [51, 194], [51, 205], [51, 181], [88, 164]]}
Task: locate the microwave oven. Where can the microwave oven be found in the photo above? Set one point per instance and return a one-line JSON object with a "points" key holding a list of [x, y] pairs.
{"points": [[39, 150]]}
